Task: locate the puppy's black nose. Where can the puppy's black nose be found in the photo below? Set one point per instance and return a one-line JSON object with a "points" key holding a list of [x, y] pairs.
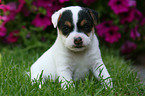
{"points": [[78, 41]]}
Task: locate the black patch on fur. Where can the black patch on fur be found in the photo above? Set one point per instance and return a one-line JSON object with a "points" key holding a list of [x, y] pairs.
{"points": [[92, 13], [87, 27], [66, 16]]}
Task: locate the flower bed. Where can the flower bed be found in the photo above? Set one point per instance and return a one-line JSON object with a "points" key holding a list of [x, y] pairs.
{"points": [[27, 22]]}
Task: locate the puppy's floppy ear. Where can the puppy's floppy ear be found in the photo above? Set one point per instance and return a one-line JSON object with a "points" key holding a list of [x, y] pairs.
{"points": [[55, 18], [93, 14]]}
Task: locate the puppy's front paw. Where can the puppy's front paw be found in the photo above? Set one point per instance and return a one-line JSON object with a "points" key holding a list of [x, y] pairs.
{"points": [[108, 83], [67, 84]]}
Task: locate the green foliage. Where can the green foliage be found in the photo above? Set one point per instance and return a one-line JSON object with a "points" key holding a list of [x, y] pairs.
{"points": [[30, 34], [14, 80]]}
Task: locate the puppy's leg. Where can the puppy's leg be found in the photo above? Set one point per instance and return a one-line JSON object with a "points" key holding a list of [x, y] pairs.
{"points": [[65, 76], [99, 70], [36, 77]]}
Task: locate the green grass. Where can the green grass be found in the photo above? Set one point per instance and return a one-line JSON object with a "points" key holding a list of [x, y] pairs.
{"points": [[15, 82]]}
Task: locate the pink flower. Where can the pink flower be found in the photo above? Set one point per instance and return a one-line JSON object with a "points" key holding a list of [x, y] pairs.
{"points": [[87, 2], [108, 31], [43, 3], [112, 35], [2, 30], [56, 6], [52, 4], [142, 21], [128, 47], [5, 8], [119, 6], [134, 33], [132, 3], [4, 18], [12, 10], [137, 14], [13, 37], [12, 6], [25, 11], [49, 12], [20, 6], [103, 28], [132, 14], [0, 1], [62, 1], [41, 21]]}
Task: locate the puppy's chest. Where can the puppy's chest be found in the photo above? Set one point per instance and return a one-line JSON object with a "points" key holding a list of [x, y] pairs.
{"points": [[80, 68]]}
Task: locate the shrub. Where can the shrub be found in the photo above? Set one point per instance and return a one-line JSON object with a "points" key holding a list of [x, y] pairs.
{"points": [[28, 22]]}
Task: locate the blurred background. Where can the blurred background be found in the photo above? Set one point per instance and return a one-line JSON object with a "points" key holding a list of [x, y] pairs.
{"points": [[26, 24]]}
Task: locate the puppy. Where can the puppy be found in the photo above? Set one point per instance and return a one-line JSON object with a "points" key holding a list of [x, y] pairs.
{"points": [[76, 50]]}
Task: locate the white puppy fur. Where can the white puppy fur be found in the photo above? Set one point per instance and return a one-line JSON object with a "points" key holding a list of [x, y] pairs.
{"points": [[67, 62]]}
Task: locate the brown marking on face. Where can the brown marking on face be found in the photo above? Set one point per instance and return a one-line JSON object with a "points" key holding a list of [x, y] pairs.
{"points": [[83, 22], [92, 31], [59, 18], [60, 32], [92, 15], [68, 23]]}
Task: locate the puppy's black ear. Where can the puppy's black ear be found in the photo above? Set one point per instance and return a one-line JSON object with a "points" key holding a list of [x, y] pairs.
{"points": [[93, 14]]}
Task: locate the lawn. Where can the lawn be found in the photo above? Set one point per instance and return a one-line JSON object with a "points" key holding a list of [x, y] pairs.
{"points": [[15, 82]]}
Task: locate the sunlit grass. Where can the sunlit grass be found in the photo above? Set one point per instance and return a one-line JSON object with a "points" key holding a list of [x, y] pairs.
{"points": [[14, 80]]}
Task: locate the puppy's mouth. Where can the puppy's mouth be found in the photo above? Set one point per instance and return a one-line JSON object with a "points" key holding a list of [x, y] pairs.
{"points": [[78, 46]]}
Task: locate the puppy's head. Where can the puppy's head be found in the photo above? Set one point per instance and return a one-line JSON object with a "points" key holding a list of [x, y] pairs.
{"points": [[75, 26]]}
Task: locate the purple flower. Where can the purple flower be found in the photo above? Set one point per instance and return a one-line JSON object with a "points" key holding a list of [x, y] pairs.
{"points": [[50, 6], [132, 14], [134, 33], [5, 8], [12, 6], [25, 11], [87, 2], [13, 37], [103, 28], [112, 35], [119, 6], [4, 18], [28, 36], [62, 1], [132, 3], [108, 31], [2, 30], [142, 22], [12, 10], [137, 14], [20, 6], [43, 3], [128, 47], [41, 21]]}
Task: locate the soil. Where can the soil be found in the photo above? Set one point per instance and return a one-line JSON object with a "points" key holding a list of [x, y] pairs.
{"points": [[139, 67]]}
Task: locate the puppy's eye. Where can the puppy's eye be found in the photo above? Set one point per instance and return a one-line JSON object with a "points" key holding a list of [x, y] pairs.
{"points": [[65, 30], [87, 28]]}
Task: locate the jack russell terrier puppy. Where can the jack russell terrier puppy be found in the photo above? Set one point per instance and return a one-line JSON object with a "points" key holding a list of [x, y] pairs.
{"points": [[76, 50]]}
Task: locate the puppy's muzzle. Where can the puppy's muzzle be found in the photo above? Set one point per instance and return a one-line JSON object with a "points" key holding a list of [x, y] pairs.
{"points": [[78, 42]]}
